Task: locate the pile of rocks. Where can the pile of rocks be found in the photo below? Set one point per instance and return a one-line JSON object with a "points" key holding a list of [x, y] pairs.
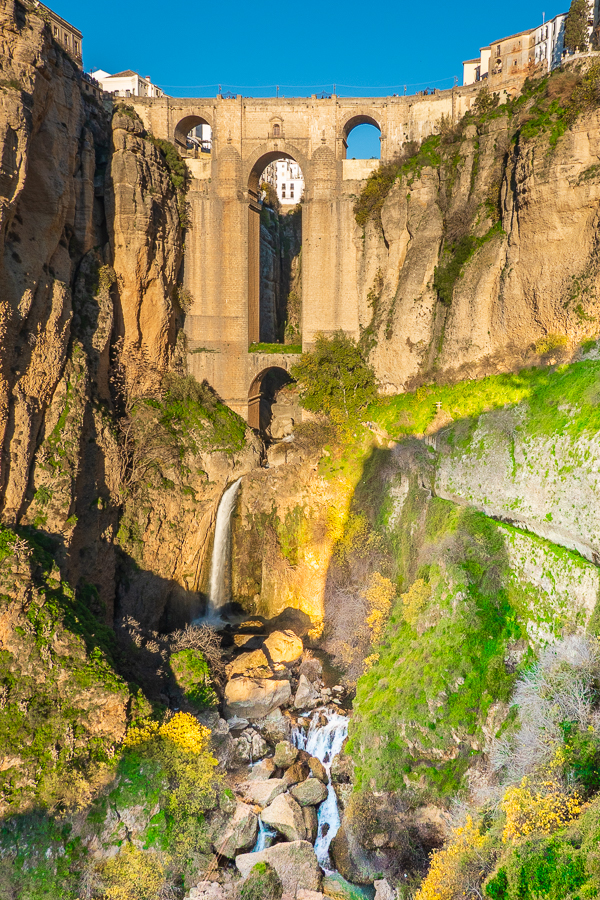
{"points": [[286, 789], [270, 670]]}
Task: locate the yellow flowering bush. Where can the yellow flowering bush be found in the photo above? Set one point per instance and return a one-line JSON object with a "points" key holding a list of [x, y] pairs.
{"points": [[542, 806], [415, 600], [186, 732], [459, 868], [133, 875], [182, 729], [379, 596]]}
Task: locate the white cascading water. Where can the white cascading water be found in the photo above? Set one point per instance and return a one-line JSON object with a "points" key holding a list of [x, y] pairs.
{"points": [[325, 742], [219, 594], [264, 838]]}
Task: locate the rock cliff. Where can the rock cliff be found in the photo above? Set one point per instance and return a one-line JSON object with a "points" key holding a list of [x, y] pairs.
{"points": [[484, 254]]}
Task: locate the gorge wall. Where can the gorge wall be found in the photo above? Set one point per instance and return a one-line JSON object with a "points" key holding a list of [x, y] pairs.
{"points": [[436, 547]]}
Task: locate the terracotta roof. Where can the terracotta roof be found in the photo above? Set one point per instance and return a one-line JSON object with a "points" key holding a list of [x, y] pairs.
{"points": [[124, 74]]}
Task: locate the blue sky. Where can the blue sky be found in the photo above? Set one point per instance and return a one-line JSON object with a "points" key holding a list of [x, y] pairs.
{"points": [[366, 49]]}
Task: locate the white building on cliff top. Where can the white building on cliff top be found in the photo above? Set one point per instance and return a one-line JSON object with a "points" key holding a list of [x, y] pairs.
{"points": [[127, 84]]}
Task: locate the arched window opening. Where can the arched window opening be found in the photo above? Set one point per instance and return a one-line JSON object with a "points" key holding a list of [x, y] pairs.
{"points": [[275, 259], [276, 130], [362, 137], [273, 407], [364, 142], [193, 136]]}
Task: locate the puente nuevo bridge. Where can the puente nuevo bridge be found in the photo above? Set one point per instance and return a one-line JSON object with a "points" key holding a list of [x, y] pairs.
{"points": [[222, 259]]}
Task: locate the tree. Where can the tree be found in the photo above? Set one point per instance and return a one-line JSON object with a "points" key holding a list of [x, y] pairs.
{"points": [[576, 26], [335, 379]]}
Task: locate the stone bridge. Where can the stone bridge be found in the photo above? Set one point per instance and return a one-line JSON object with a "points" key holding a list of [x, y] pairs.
{"points": [[223, 243]]}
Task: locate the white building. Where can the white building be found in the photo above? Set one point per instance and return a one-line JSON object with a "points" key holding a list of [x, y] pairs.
{"points": [[200, 139], [285, 176], [127, 84], [549, 42]]}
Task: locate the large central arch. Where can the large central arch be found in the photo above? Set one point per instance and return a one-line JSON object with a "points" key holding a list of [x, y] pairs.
{"points": [[256, 166]]}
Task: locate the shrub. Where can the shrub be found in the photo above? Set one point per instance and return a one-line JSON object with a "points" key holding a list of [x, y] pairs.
{"points": [[193, 677], [374, 194], [335, 379], [415, 600], [178, 170], [459, 868], [134, 875], [559, 689], [261, 884], [533, 807], [378, 597]]}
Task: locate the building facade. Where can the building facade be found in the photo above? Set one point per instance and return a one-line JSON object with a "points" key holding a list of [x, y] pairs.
{"points": [[502, 60], [285, 176], [65, 34], [127, 84], [199, 140], [549, 43]]}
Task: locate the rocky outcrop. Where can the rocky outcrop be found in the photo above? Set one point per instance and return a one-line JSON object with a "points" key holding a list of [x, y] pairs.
{"points": [[285, 816], [239, 834], [294, 862]]}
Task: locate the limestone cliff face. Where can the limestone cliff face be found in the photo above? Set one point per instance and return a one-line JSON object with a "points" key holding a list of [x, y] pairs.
{"points": [[91, 245], [533, 206], [146, 241]]}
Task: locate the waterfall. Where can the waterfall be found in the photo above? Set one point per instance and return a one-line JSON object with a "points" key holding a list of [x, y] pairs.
{"points": [[264, 838], [219, 592], [325, 742]]}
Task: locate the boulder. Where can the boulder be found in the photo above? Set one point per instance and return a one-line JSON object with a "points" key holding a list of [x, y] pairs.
{"points": [[255, 698], [249, 663], [262, 770], [336, 887], [317, 769], [285, 816], [384, 890], [307, 696], [283, 647], [309, 793], [248, 747], [295, 863], [296, 773], [309, 895], [236, 723], [249, 641], [285, 754], [274, 727], [206, 890], [264, 792], [240, 832], [311, 822]]}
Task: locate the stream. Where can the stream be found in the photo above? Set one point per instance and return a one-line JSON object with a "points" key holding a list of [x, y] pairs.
{"points": [[324, 742]]}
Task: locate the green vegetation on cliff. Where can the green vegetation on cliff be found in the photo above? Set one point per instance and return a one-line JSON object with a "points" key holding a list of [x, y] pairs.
{"points": [[334, 378], [56, 675]]}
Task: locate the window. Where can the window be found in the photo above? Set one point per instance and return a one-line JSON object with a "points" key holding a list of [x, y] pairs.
{"points": [[55, 31], [291, 191], [283, 191], [275, 130]]}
